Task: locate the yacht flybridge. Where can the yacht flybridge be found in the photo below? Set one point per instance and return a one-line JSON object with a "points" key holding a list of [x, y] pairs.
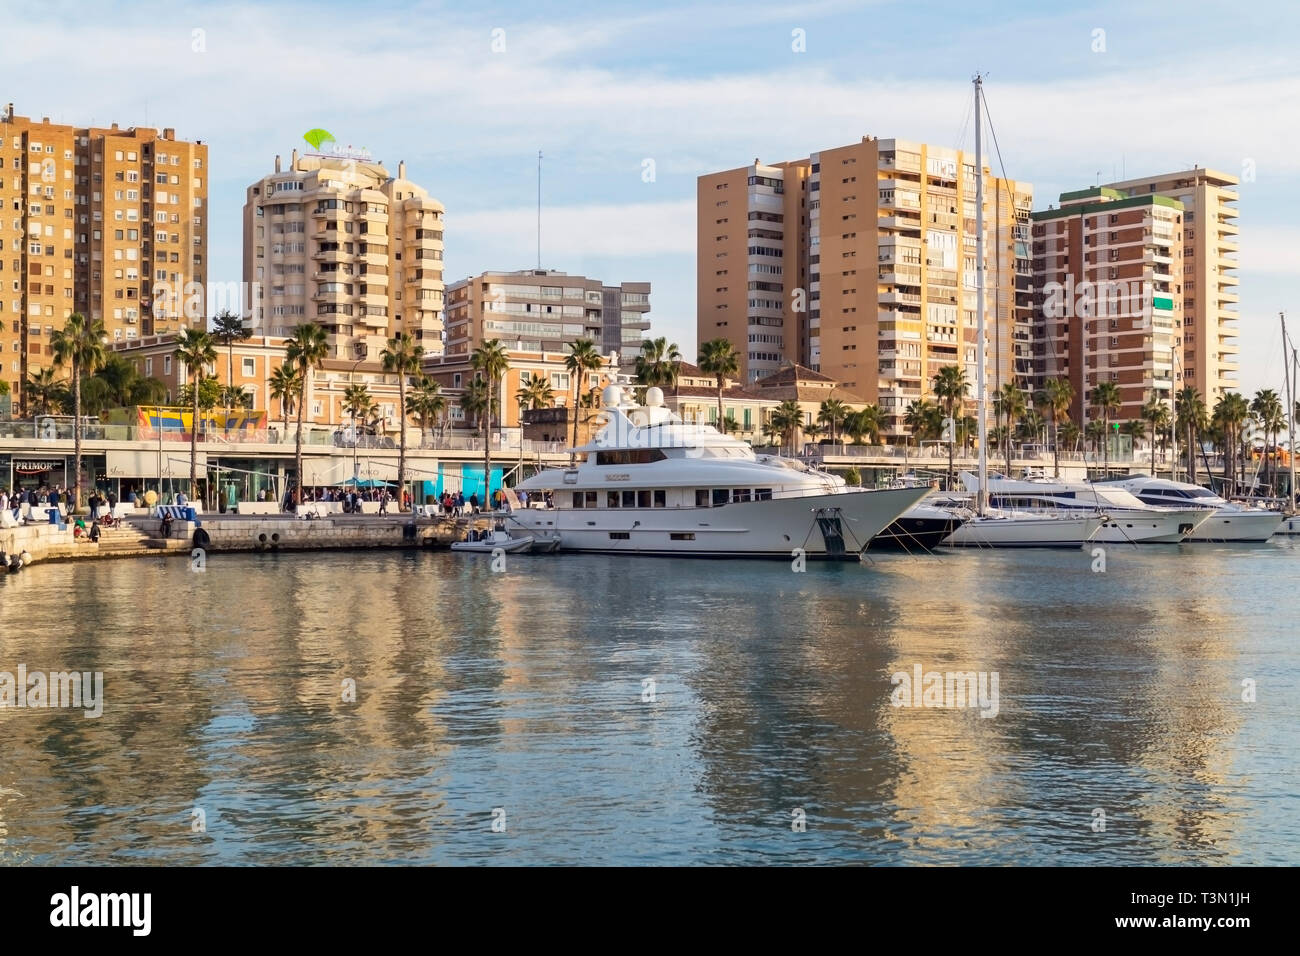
{"points": [[653, 484]]}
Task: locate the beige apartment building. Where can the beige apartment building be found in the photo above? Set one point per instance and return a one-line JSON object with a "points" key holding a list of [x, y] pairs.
{"points": [[338, 241], [93, 221], [859, 262], [1209, 329], [1108, 279], [544, 310]]}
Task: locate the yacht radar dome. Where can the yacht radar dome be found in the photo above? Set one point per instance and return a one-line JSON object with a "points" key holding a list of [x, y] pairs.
{"points": [[612, 396], [654, 397]]}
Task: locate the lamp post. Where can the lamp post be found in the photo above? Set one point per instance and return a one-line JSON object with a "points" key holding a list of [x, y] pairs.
{"points": [[361, 350]]}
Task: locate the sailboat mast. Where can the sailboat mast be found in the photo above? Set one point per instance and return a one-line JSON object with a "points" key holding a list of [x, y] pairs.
{"points": [[1289, 375], [979, 304]]}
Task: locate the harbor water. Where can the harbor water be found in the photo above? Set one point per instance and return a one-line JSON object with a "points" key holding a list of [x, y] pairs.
{"points": [[1137, 706]]}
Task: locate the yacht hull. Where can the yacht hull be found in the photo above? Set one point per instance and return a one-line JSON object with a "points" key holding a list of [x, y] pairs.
{"points": [[1150, 526], [910, 533], [1225, 526], [1025, 532], [771, 528]]}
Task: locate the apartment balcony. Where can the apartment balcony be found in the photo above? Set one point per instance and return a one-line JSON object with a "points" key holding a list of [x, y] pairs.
{"points": [[373, 278], [330, 215], [1157, 257], [333, 277], [332, 255], [372, 297], [891, 276], [899, 298], [1225, 296], [896, 220], [373, 258], [379, 218]]}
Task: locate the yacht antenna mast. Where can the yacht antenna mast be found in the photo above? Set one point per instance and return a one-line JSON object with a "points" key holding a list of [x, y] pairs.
{"points": [[1290, 416], [980, 496]]}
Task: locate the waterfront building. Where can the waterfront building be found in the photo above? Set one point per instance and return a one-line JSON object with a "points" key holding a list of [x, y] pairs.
{"points": [[695, 399], [544, 310], [859, 262], [1209, 328], [1108, 291], [109, 222], [339, 241]]}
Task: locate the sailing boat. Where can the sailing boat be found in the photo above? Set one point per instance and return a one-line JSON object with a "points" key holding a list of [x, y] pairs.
{"points": [[995, 529], [1291, 523]]}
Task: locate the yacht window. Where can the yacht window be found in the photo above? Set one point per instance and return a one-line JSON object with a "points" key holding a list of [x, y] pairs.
{"points": [[740, 494], [591, 499], [661, 498], [720, 496], [619, 535], [681, 536], [762, 494], [629, 456], [643, 499], [577, 499], [629, 499], [611, 499], [701, 497]]}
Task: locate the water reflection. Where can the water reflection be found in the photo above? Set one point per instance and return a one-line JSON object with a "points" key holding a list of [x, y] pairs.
{"points": [[225, 691]]}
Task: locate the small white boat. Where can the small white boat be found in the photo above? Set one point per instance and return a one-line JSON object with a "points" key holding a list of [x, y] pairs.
{"points": [[1002, 530], [490, 541]]}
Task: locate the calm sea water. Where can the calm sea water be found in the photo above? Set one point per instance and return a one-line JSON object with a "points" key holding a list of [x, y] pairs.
{"points": [[522, 692]]}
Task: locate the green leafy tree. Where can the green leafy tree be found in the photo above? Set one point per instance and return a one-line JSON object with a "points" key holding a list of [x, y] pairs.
{"points": [[1105, 398], [492, 360], [228, 328], [950, 388], [583, 357], [284, 388], [718, 358]]}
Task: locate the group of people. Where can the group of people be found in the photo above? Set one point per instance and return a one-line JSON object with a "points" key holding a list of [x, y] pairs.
{"points": [[350, 497]]}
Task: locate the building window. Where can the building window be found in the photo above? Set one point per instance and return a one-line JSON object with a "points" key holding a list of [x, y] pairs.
{"points": [[248, 366]]}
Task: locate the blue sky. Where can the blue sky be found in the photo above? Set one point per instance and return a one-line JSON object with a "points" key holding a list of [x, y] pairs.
{"points": [[695, 87]]}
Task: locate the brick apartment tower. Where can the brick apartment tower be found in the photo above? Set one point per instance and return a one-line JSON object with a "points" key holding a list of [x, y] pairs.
{"points": [[93, 219]]}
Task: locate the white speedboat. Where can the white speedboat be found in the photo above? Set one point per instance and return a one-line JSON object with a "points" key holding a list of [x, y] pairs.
{"points": [[1228, 520], [490, 541], [652, 484], [1128, 520]]}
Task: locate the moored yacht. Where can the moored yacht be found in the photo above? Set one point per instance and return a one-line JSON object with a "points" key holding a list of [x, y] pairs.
{"points": [[1228, 520], [653, 484], [1127, 520]]}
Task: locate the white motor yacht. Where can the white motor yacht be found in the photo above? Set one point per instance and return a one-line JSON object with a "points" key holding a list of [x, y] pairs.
{"points": [[1128, 520], [1228, 520], [649, 483]]}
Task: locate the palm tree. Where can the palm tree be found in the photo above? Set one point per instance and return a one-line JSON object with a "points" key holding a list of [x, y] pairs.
{"points": [[357, 403], [1155, 414], [1010, 406], [401, 358], [536, 393], [917, 421], [1134, 428], [583, 357], [427, 402], [1095, 432], [1189, 411], [1068, 432], [719, 359], [236, 396], [305, 350], [831, 414], [476, 402], [80, 346], [196, 350], [285, 388], [492, 359], [1105, 398], [786, 419], [950, 388], [1268, 411], [1054, 400], [658, 362], [1231, 413], [228, 328], [44, 391], [867, 421]]}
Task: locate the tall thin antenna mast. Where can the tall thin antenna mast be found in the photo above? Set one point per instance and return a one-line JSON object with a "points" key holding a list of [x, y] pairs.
{"points": [[979, 303], [1288, 374], [539, 210]]}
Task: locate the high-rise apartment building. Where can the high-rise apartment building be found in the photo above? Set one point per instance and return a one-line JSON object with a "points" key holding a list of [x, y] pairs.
{"points": [[338, 241], [1108, 282], [544, 310], [859, 262], [1209, 329], [93, 221]]}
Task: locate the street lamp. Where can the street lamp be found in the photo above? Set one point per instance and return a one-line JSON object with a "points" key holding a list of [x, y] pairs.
{"points": [[361, 350]]}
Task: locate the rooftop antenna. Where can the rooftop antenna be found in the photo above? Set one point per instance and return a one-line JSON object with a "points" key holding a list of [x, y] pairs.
{"points": [[539, 210]]}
